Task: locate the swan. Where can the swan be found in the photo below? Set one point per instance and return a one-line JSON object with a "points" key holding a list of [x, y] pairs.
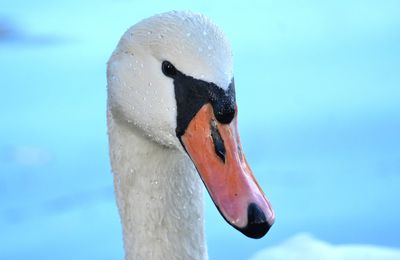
{"points": [[172, 124]]}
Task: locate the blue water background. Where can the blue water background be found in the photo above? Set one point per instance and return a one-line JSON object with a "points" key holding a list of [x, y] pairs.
{"points": [[318, 88]]}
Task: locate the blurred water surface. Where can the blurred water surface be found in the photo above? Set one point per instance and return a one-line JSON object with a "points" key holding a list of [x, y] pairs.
{"points": [[318, 88]]}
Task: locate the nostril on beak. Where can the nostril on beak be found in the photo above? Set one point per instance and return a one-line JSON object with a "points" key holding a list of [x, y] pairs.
{"points": [[257, 224], [219, 146]]}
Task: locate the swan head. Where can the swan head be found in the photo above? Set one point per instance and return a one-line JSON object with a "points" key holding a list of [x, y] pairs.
{"points": [[171, 78]]}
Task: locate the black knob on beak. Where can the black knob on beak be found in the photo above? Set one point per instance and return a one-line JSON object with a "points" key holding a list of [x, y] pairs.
{"points": [[224, 111]]}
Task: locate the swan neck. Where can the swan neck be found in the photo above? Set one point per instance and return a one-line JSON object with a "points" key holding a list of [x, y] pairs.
{"points": [[159, 196]]}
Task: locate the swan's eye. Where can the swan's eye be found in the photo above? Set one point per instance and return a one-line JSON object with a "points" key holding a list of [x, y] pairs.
{"points": [[168, 69]]}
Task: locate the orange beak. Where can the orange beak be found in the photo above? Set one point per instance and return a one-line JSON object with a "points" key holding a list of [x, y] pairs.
{"points": [[216, 152]]}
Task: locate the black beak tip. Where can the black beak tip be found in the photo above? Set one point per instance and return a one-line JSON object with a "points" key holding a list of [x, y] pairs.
{"points": [[257, 225]]}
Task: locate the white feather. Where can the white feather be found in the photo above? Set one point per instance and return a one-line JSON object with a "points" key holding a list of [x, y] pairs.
{"points": [[158, 190]]}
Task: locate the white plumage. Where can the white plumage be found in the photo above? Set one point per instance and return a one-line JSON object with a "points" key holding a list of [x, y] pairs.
{"points": [[159, 193]]}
